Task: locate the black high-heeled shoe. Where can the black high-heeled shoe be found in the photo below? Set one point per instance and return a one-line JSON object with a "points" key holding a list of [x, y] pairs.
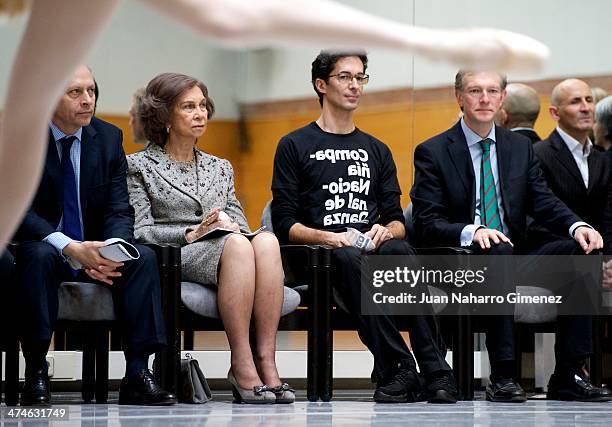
{"points": [[261, 394]]}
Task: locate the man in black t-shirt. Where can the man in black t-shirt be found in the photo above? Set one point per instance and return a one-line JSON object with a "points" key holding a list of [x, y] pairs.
{"points": [[329, 176]]}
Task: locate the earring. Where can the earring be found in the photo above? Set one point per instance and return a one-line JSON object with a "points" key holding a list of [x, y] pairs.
{"points": [[168, 129]]}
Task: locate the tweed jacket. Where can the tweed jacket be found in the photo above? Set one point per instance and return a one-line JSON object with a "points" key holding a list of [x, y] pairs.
{"points": [[170, 198]]}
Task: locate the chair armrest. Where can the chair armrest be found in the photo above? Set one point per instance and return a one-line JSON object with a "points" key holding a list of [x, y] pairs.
{"points": [[299, 263]]}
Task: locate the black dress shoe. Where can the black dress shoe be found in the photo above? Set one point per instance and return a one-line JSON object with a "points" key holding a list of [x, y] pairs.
{"points": [[505, 390], [575, 385], [36, 390], [441, 388], [404, 386], [143, 390]]}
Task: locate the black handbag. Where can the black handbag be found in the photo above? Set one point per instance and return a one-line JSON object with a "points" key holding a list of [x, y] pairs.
{"points": [[193, 387]]}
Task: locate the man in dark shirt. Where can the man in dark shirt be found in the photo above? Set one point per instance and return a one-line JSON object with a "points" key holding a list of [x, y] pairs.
{"points": [[328, 176]]}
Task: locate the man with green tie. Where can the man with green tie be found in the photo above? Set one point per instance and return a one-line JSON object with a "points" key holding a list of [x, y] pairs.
{"points": [[475, 185]]}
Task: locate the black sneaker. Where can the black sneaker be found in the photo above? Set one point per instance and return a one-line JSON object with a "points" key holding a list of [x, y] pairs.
{"points": [[143, 390], [404, 386], [441, 388]]}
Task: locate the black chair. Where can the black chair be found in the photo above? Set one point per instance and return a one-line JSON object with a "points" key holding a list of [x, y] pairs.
{"points": [[461, 340], [529, 320], [8, 337], [88, 309], [190, 307], [326, 310]]}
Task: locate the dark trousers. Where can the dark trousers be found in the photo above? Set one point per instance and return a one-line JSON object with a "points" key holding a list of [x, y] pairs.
{"points": [[380, 333], [137, 297], [573, 333]]}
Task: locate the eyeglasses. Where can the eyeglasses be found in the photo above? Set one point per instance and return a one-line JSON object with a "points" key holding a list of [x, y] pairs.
{"points": [[190, 107], [477, 92], [346, 78]]}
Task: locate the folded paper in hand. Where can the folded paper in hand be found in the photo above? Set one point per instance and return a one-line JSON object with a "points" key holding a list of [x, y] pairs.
{"points": [[114, 249], [360, 240]]}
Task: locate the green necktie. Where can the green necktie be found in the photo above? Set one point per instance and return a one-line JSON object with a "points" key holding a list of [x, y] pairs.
{"points": [[489, 213]]}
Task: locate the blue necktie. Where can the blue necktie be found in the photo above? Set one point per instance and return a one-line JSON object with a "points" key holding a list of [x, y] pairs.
{"points": [[72, 223]]}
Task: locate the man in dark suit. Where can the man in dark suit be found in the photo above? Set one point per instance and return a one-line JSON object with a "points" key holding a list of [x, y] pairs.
{"points": [[81, 201], [578, 175], [474, 186], [520, 110]]}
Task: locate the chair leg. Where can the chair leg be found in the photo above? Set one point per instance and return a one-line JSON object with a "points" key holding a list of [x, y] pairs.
{"points": [[463, 357], [314, 344], [167, 360], [89, 367], [59, 339], [596, 366], [326, 382], [11, 375], [115, 339], [1, 382], [188, 339], [102, 336], [518, 350]]}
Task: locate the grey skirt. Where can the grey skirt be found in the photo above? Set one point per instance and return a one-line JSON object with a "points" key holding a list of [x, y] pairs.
{"points": [[200, 260]]}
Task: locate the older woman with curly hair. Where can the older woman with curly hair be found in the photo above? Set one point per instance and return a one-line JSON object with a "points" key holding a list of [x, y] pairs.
{"points": [[179, 193]]}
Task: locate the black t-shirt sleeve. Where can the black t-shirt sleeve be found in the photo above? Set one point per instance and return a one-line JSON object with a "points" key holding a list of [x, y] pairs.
{"points": [[389, 191], [285, 189]]}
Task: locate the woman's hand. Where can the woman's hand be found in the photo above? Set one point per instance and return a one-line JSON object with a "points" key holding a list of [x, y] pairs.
{"points": [[216, 218], [211, 217]]}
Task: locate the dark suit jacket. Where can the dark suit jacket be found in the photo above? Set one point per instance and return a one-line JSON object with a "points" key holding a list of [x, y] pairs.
{"points": [[104, 197], [444, 192], [592, 204], [529, 133]]}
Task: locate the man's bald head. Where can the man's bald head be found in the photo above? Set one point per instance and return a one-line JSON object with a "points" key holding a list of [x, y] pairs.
{"points": [[561, 91], [572, 108], [521, 106]]}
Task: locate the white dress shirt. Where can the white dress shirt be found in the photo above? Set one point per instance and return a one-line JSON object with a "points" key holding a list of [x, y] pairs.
{"points": [[579, 152], [473, 142]]}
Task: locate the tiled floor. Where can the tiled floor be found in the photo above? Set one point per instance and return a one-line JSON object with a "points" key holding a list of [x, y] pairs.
{"points": [[349, 408]]}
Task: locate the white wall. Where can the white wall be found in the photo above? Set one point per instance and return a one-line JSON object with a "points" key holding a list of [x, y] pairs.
{"points": [[577, 33], [139, 44], [285, 73]]}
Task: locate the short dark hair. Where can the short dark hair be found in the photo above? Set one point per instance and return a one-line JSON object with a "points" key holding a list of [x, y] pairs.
{"points": [[160, 97], [324, 64], [503, 79]]}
